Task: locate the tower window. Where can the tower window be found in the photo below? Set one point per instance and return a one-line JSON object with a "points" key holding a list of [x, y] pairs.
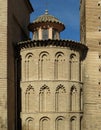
{"points": [[54, 34], [45, 34]]}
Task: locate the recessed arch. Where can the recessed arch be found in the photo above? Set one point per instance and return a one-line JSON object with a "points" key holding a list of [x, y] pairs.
{"points": [[28, 55], [29, 123], [60, 118], [60, 87], [30, 87], [60, 123], [29, 119], [60, 98], [73, 56], [43, 53], [29, 99], [74, 66], [73, 122], [44, 123], [59, 65], [58, 54], [44, 98], [44, 87], [44, 118], [73, 98], [44, 64], [29, 66]]}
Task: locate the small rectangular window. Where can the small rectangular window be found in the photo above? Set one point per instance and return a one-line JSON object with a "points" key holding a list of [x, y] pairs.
{"points": [[54, 34], [45, 34]]}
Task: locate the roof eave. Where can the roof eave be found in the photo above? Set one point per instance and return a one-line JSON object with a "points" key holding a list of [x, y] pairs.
{"points": [[56, 25]]}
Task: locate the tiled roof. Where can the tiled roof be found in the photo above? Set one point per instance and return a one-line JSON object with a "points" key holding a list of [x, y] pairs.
{"points": [[47, 18]]}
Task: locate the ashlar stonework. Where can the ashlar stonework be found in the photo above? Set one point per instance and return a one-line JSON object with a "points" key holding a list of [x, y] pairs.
{"points": [[51, 78]]}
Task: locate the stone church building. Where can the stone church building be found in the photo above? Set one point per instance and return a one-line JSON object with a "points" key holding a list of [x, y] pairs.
{"points": [[48, 83]]}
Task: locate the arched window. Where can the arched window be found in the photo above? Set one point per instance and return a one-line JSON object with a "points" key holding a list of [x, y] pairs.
{"points": [[29, 99], [61, 99], [59, 66], [73, 67], [73, 123], [73, 98], [29, 67], [44, 65], [44, 98], [29, 124], [44, 123], [60, 123]]}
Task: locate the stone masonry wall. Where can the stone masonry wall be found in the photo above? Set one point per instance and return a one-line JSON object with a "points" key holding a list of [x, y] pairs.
{"points": [[92, 82], [14, 18]]}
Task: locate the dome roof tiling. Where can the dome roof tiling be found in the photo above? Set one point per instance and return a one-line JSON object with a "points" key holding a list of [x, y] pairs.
{"points": [[47, 19]]}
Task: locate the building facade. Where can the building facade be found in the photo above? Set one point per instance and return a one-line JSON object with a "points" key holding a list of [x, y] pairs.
{"points": [[13, 21], [51, 78], [91, 36], [46, 83]]}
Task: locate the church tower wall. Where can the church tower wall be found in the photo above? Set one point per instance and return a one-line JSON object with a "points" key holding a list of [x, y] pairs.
{"points": [[91, 35], [51, 86]]}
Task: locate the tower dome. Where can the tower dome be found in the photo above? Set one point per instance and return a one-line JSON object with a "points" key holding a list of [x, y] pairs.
{"points": [[46, 27]]}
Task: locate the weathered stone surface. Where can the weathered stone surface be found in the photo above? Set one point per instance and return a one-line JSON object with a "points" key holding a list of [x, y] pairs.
{"points": [[91, 35]]}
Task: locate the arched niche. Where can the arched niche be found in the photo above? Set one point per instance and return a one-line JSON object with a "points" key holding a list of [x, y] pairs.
{"points": [[60, 99], [44, 65], [44, 98], [44, 123], [30, 99], [59, 66], [60, 123], [73, 98]]}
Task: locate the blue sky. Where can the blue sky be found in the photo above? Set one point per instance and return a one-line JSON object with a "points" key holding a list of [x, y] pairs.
{"points": [[67, 11]]}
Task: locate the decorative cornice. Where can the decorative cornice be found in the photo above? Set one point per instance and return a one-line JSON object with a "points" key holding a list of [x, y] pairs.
{"points": [[73, 45]]}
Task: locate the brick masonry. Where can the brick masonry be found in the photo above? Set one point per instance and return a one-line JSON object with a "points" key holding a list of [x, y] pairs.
{"points": [[91, 36]]}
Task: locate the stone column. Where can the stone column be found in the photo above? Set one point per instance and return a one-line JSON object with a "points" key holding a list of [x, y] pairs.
{"points": [[40, 33], [50, 33]]}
